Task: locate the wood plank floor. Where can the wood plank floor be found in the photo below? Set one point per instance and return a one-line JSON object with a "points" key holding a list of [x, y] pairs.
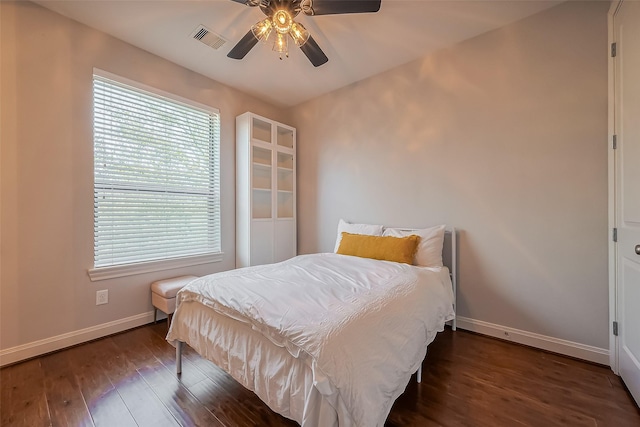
{"points": [[468, 380]]}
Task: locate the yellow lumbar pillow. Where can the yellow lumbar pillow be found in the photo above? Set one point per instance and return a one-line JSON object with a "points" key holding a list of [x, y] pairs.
{"points": [[388, 248]]}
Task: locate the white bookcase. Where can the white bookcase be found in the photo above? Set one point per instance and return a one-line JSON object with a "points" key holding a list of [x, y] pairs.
{"points": [[265, 191]]}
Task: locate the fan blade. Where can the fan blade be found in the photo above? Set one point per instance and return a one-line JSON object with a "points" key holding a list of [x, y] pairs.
{"points": [[248, 2], [334, 7], [243, 47], [313, 52]]}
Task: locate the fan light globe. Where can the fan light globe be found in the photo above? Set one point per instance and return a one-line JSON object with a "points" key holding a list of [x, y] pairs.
{"points": [[280, 44], [262, 30], [299, 34], [282, 21]]}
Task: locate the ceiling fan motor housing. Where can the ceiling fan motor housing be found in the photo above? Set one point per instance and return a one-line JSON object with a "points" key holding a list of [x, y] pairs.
{"points": [[271, 7]]}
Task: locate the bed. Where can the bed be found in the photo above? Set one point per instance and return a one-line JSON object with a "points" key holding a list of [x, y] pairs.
{"points": [[323, 339]]}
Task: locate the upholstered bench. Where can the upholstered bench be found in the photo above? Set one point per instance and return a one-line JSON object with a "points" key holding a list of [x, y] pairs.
{"points": [[163, 295]]}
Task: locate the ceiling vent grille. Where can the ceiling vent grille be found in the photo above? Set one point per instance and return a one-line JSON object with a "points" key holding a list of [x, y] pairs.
{"points": [[206, 36]]}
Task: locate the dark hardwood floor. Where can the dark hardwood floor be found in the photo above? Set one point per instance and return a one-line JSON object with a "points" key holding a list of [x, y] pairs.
{"points": [[468, 380]]}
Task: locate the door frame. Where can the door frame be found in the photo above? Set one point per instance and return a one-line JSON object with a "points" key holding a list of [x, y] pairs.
{"points": [[612, 210]]}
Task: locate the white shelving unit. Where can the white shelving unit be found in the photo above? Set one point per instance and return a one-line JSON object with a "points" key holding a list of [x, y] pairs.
{"points": [[265, 191]]}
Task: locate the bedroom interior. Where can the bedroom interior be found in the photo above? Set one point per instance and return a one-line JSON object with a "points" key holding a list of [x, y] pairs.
{"points": [[503, 134]]}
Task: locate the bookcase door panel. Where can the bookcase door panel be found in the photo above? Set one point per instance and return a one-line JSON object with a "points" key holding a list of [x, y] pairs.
{"points": [[285, 137], [260, 130], [261, 242], [285, 240]]}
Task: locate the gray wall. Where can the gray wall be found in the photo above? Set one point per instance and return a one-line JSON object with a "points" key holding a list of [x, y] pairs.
{"points": [[503, 136], [46, 222]]}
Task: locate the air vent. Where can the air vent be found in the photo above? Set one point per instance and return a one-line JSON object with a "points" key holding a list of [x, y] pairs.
{"points": [[208, 37]]}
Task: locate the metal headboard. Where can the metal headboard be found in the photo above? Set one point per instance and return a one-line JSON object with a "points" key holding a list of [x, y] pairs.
{"points": [[450, 259]]}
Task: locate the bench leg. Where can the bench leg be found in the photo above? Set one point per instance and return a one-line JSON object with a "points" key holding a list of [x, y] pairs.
{"points": [[155, 315]]}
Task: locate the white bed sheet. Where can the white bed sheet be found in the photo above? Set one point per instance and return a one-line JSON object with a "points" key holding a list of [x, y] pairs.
{"points": [[303, 361], [283, 382]]}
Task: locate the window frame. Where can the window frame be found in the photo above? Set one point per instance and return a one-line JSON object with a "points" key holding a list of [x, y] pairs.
{"points": [[122, 270]]}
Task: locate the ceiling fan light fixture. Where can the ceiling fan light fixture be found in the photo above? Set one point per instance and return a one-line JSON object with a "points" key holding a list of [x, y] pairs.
{"points": [[299, 34], [280, 15], [262, 30]]}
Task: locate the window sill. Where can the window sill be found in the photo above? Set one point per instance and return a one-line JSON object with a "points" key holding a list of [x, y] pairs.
{"points": [[104, 273]]}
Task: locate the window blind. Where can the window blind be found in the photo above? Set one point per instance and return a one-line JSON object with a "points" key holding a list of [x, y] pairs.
{"points": [[156, 176]]}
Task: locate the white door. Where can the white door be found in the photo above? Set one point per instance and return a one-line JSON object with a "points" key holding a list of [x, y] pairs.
{"points": [[627, 183]]}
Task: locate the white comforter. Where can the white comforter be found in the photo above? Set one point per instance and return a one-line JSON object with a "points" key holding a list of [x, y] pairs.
{"points": [[364, 323]]}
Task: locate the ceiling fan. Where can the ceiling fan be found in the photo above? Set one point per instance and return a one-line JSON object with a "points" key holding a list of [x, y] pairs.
{"points": [[280, 14]]}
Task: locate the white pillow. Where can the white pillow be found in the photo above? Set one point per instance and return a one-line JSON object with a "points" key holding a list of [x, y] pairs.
{"points": [[429, 253], [368, 229]]}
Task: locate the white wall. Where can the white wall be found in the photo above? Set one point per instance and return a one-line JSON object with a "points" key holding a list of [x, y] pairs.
{"points": [[47, 172], [503, 136]]}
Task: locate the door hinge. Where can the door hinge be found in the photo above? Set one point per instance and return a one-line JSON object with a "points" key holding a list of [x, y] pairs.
{"points": [[615, 141], [614, 50], [615, 328], [615, 234]]}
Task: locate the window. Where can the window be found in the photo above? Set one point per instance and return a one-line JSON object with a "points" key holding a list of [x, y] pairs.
{"points": [[156, 179]]}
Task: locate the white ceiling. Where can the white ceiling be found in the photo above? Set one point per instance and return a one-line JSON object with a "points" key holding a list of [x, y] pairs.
{"points": [[358, 45]]}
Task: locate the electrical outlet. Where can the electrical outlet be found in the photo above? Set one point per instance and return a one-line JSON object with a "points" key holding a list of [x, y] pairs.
{"points": [[102, 297]]}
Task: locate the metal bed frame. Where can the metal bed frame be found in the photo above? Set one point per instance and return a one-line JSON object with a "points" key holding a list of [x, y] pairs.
{"points": [[449, 258]]}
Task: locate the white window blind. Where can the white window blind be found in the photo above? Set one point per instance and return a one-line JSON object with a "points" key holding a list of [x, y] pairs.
{"points": [[156, 176]]}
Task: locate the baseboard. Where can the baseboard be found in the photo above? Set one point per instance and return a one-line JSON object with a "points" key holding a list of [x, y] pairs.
{"points": [[556, 345], [47, 345]]}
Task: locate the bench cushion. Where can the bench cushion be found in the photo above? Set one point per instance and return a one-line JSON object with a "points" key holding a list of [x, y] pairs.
{"points": [[168, 288]]}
